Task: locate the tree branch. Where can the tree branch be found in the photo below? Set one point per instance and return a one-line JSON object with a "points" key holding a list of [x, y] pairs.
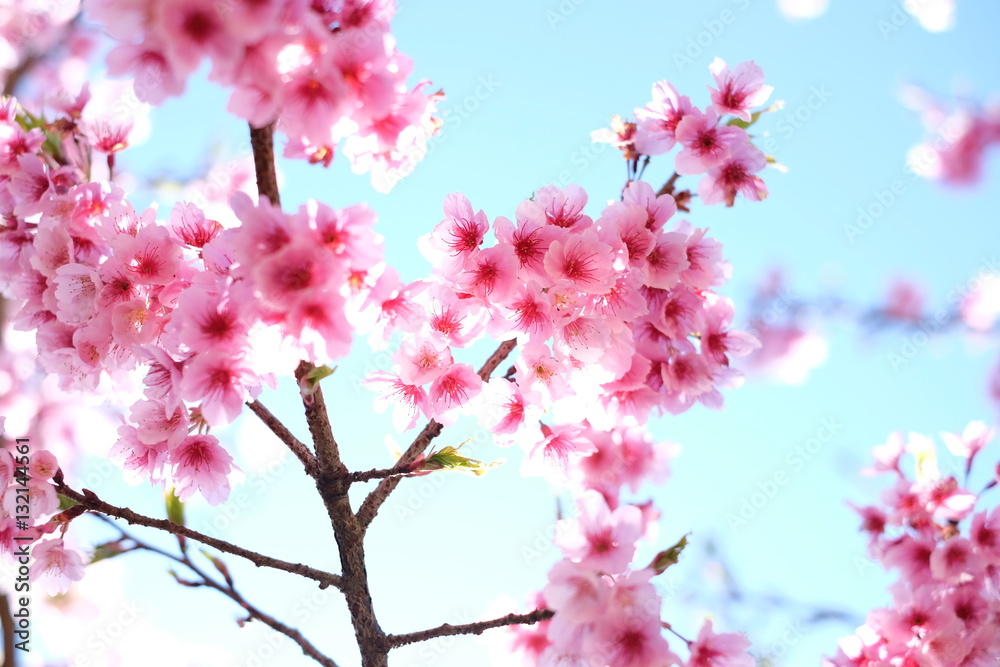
{"points": [[89, 500], [253, 612], [230, 591], [7, 623], [15, 74], [497, 358], [369, 508], [262, 143], [381, 473], [371, 504], [300, 450], [668, 187], [479, 628], [327, 452]]}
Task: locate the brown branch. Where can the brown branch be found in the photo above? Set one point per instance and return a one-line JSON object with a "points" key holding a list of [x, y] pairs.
{"points": [[230, 591], [7, 623], [381, 473], [89, 500], [497, 358], [668, 187], [370, 507], [479, 628], [15, 74], [253, 612], [300, 450], [262, 143], [327, 452]]}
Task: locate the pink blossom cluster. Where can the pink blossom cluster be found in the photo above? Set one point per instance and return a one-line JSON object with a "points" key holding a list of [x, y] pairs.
{"points": [[957, 138], [945, 609], [55, 565], [29, 28], [606, 613], [615, 318], [723, 151], [789, 346], [328, 72], [607, 610], [188, 304], [44, 51], [28, 499]]}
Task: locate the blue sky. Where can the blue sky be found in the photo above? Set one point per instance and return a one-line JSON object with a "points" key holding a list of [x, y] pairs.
{"points": [[526, 83]]}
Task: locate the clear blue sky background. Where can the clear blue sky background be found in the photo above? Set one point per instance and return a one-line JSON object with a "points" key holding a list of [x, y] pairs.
{"points": [[445, 547]]}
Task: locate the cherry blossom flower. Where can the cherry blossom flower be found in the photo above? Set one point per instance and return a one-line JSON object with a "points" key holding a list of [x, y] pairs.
{"points": [[739, 90], [719, 650], [408, 400], [705, 143], [581, 261], [456, 238], [453, 389], [140, 461], [200, 464], [219, 381], [55, 566], [657, 121], [577, 591], [736, 174], [601, 539]]}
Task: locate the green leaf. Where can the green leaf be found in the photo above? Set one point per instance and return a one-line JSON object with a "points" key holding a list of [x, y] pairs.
{"points": [[754, 117], [318, 373], [310, 381], [66, 502], [175, 508], [107, 550], [669, 557], [448, 458]]}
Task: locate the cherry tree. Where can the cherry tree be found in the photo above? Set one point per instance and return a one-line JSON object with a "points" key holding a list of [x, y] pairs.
{"points": [[560, 326]]}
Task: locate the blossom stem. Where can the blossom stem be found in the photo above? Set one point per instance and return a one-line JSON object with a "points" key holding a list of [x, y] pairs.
{"points": [[279, 429], [447, 630], [369, 508], [671, 629], [89, 500]]}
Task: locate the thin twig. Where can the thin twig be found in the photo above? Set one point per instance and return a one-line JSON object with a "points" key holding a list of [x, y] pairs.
{"points": [[230, 591], [89, 500], [370, 507], [298, 448], [479, 628], [307, 647], [668, 187], [381, 473]]}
